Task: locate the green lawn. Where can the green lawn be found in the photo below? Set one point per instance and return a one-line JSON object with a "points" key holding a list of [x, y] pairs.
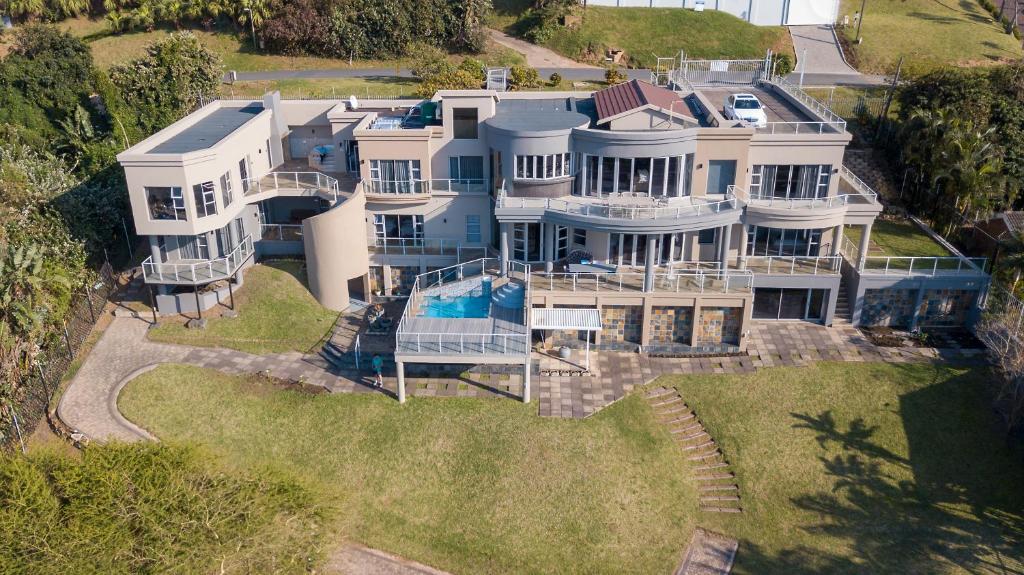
{"points": [[645, 33], [866, 468], [892, 238], [928, 34], [464, 485], [376, 86], [276, 313], [235, 49]]}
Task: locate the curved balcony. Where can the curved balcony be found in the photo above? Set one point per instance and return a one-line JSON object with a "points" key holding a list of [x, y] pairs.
{"points": [[781, 212], [623, 213], [198, 272], [292, 184], [420, 190]]}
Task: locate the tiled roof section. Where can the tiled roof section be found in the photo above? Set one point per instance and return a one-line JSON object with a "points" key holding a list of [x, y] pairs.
{"points": [[1014, 221], [631, 95]]}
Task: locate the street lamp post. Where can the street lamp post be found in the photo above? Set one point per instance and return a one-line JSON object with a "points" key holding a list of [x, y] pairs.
{"points": [[860, 20], [252, 25]]}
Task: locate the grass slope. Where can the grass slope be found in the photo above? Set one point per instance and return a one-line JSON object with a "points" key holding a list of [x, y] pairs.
{"points": [[276, 313], [866, 468], [469, 486], [929, 34], [897, 239]]}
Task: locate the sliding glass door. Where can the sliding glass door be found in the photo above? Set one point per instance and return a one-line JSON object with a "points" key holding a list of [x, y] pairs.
{"points": [[790, 303]]}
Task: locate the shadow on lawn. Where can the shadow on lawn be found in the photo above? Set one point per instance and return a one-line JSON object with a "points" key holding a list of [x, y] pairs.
{"points": [[963, 509]]}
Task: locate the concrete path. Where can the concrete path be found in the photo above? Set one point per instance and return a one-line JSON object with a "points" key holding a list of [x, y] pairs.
{"points": [[818, 52], [537, 56], [709, 553], [352, 559]]}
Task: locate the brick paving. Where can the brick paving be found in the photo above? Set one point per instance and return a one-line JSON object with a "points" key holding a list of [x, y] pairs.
{"points": [[708, 553]]}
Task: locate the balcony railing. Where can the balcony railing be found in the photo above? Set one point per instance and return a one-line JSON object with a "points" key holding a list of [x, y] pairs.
{"points": [[426, 246], [423, 187], [923, 266], [858, 184], [198, 272], [792, 265], [832, 120], [293, 183], [610, 209], [464, 343], [734, 281], [281, 232]]}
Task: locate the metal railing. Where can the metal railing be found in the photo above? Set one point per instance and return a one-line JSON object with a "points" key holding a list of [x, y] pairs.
{"points": [[733, 281], [281, 232], [423, 187], [464, 343], [813, 104], [858, 184], [926, 266], [198, 272], [769, 201], [799, 128], [611, 210], [791, 265], [425, 246], [721, 72], [298, 183]]}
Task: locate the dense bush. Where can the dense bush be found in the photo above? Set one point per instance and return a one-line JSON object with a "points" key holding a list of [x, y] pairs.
{"points": [[782, 64], [523, 77], [151, 508], [614, 76]]}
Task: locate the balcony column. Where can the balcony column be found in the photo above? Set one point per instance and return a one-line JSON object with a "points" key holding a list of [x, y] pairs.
{"points": [[652, 242], [743, 246], [865, 238], [526, 378], [154, 249], [726, 239], [837, 239], [549, 247], [503, 247], [400, 367]]}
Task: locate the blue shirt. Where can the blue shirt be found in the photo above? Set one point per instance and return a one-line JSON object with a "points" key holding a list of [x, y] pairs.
{"points": [[378, 363]]}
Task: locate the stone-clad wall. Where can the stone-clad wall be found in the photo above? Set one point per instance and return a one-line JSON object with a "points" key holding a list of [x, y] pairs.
{"points": [[621, 323], [946, 307], [571, 338], [719, 325], [402, 279], [671, 324], [888, 307], [376, 279]]}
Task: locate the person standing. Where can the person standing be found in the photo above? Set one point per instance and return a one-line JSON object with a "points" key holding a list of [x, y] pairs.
{"points": [[378, 370]]}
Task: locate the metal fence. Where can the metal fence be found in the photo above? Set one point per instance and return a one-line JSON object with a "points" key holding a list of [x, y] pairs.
{"points": [[32, 397], [700, 73]]}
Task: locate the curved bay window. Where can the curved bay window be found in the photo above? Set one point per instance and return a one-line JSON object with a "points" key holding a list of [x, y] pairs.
{"points": [[668, 176], [790, 182], [763, 241], [547, 167]]}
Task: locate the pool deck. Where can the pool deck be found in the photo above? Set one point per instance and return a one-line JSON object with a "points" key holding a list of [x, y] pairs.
{"points": [[500, 320]]}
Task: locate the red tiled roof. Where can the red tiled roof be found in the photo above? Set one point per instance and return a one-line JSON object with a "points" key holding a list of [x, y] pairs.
{"points": [[1014, 221], [631, 95]]}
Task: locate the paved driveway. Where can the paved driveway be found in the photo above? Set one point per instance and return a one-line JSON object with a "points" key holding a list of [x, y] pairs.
{"points": [[818, 52]]}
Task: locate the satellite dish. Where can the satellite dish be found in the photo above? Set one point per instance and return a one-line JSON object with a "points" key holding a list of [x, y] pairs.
{"points": [[353, 104]]}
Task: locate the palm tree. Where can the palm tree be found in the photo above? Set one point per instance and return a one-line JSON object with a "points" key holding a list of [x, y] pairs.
{"points": [[24, 9], [116, 20], [69, 8]]}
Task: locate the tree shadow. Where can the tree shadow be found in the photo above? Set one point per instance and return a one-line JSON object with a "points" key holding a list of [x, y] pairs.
{"points": [[953, 503]]}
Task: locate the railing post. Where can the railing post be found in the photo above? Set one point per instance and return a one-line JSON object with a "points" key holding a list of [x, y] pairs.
{"points": [[935, 267]]}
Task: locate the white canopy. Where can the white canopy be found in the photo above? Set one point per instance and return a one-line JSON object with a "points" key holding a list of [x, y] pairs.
{"points": [[580, 319]]}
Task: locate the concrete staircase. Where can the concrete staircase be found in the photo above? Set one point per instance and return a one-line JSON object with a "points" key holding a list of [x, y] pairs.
{"points": [[716, 483], [511, 295], [843, 315]]}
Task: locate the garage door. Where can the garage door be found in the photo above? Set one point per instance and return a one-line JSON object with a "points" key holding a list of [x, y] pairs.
{"points": [[808, 12]]}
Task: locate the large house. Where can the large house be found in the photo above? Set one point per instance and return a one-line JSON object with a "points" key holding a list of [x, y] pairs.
{"points": [[633, 217]]}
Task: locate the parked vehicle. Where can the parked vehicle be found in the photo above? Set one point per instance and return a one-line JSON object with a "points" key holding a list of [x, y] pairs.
{"points": [[746, 108]]}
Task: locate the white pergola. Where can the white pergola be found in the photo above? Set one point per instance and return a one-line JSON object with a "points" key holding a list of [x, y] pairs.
{"points": [[574, 319]]}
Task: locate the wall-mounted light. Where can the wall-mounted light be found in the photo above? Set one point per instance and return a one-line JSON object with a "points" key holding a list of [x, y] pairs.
{"points": [[444, 220], [700, 166], [835, 170]]}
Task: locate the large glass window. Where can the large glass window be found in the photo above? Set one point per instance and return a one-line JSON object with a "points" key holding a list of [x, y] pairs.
{"points": [[464, 123], [193, 247], [796, 182], [666, 176], [764, 241], [789, 303], [398, 226], [395, 176], [243, 173], [206, 199], [473, 234], [466, 168], [544, 167], [226, 191], [526, 242], [166, 204]]}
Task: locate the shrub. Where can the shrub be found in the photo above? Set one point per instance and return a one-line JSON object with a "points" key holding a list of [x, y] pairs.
{"points": [[555, 79], [523, 77], [475, 68], [782, 65], [614, 76]]}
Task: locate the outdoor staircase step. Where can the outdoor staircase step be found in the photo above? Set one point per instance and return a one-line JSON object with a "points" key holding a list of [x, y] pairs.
{"points": [[722, 487], [721, 509], [711, 466], [680, 409], [693, 436], [667, 402], [703, 456], [687, 429], [719, 498], [688, 417], [716, 476], [659, 392], [702, 445]]}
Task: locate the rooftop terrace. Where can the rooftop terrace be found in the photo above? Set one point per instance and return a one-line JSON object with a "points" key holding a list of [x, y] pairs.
{"points": [[209, 130]]}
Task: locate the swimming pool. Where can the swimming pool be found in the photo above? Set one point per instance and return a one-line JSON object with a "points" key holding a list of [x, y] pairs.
{"points": [[475, 304]]}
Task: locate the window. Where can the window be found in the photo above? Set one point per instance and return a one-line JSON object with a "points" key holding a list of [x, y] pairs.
{"points": [[473, 234], [796, 182], [543, 167], [226, 192], [579, 236], [464, 123], [395, 176], [206, 199], [398, 226], [193, 247], [466, 168], [270, 159], [166, 204], [161, 247], [765, 241], [239, 230], [243, 173], [561, 242], [707, 236]]}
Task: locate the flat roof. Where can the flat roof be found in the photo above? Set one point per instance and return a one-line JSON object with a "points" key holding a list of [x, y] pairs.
{"points": [[536, 115], [208, 130], [580, 319], [777, 109]]}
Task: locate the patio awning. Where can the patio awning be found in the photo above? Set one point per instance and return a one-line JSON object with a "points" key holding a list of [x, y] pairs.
{"points": [[580, 319]]}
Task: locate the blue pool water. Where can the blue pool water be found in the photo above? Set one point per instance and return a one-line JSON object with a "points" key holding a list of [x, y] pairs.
{"points": [[475, 304]]}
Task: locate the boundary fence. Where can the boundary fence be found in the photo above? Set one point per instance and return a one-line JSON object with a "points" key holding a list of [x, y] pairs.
{"points": [[31, 401]]}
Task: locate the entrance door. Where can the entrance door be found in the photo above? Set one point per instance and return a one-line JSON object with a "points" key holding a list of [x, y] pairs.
{"points": [[789, 303], [721, 175]]}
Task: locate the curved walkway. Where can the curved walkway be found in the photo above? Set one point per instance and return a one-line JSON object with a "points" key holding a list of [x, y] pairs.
{"points": [[536, 56]]}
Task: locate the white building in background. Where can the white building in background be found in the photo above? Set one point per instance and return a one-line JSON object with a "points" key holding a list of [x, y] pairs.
{"points": [[759, 12]]}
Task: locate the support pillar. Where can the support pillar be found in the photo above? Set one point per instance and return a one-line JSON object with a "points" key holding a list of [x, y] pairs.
{"points": [[743, 246], [865, 238], [503, 247], [695, 328], [549, 247], [726, 239], [916, 316], [837, 239], [652, 242], [400, 365], [526, 379]]}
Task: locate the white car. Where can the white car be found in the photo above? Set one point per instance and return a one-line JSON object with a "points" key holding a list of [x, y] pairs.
{"points": [[746, 108]]}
